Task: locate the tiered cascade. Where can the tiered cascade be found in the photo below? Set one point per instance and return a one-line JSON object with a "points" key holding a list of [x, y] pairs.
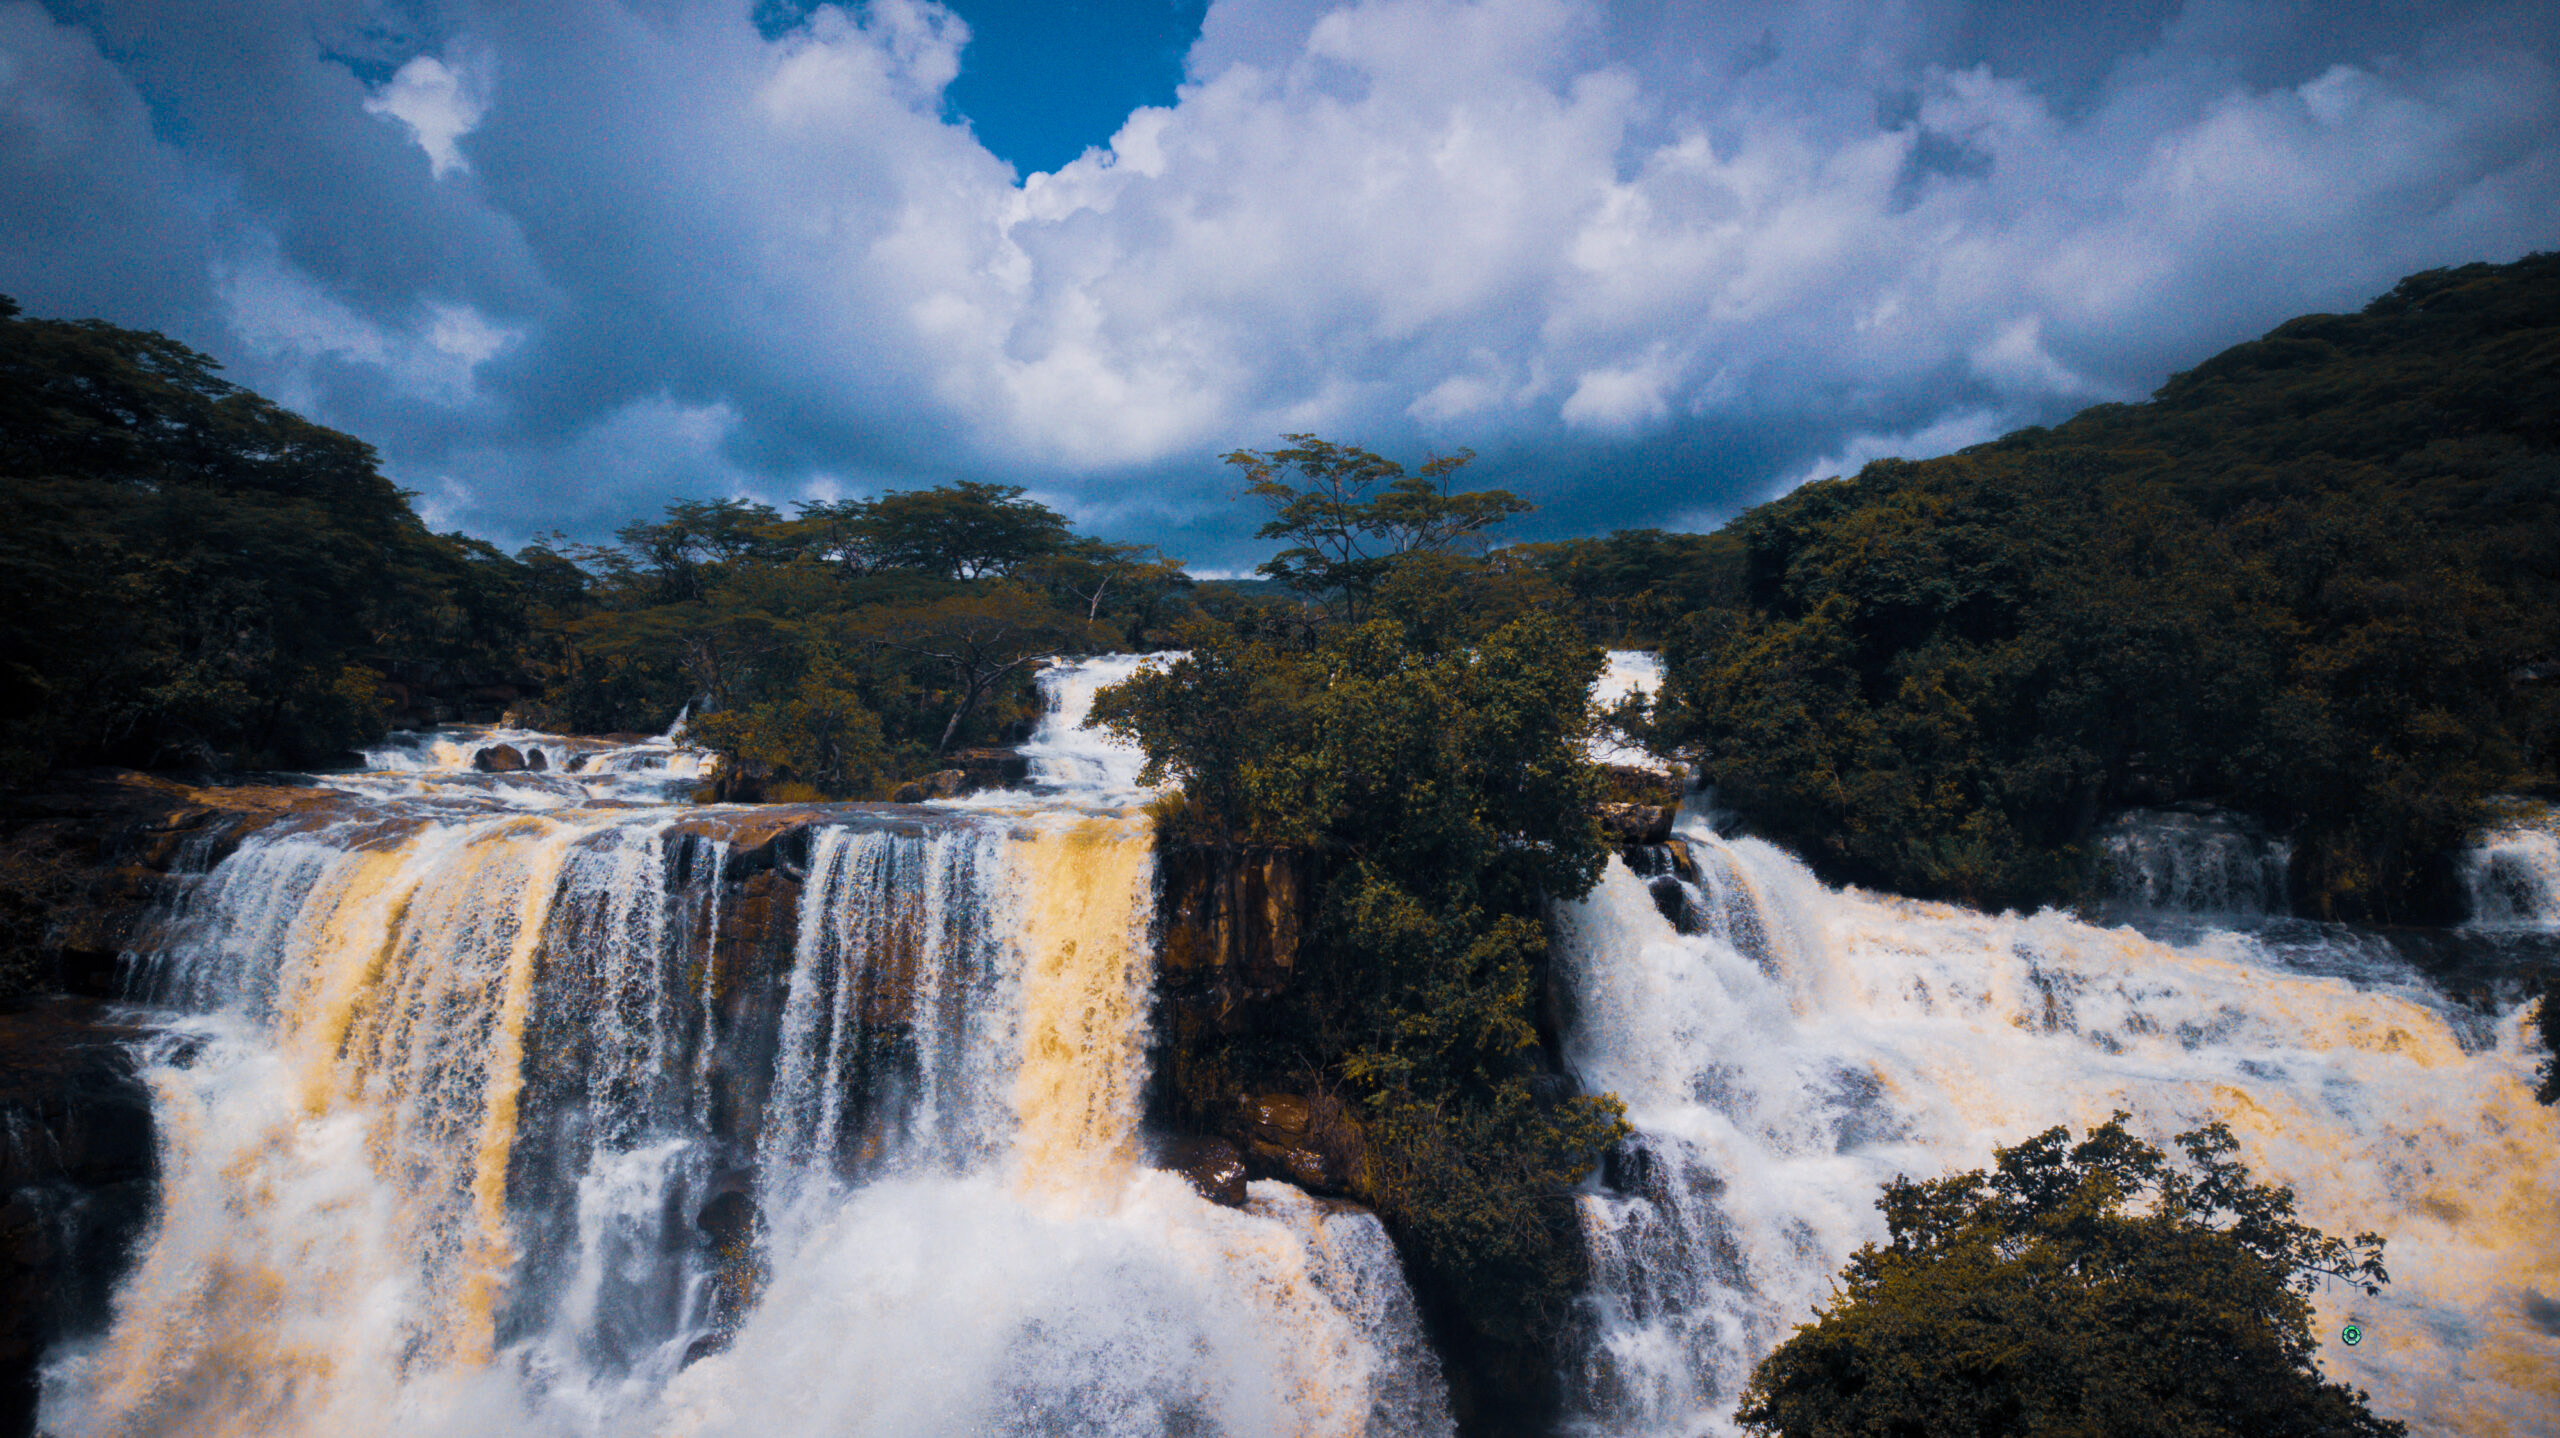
{"points": [[528, 1102], [1784, 1048]]}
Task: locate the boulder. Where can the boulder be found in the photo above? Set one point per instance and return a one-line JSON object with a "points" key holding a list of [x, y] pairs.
{"points": [[1636, 823], [941, 784], [991, 768], [1683, 863], [499, 759], [76, 1181], [1214, 1166], [1313, 1143]]}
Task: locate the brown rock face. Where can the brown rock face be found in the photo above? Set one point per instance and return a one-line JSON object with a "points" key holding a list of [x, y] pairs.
{"points": [[76, 1179], [499, 759], [990, 768], [941, 784], [1214, 1166], [1311, 1142], [1636, 823], [1683, 863]]}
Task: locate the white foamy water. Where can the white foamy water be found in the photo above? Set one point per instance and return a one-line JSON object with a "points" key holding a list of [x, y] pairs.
{"points": [[1801, 1045], [560, 772], [1629, 671], [2512, 878], [2209, 865], [1069, 758], [502, 1105]]}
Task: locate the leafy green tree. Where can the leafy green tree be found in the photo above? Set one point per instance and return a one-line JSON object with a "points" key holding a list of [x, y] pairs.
{"points": [[967, 530], [2089, 1288], [697, 534], [816, 741], [195, 575], [1350, 515], [1439, 782], [978, 640]]}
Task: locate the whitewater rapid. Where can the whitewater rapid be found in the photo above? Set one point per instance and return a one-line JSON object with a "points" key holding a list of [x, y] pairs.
{"points": [[1785, 1048], [547, 1102], [533, 1102]]}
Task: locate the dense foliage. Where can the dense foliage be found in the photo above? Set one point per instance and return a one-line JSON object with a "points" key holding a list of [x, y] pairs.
{"points": [[831, 653], [194, 576], [1352, 518], [2315, 580], [2077, 1289], [1431, 758]]}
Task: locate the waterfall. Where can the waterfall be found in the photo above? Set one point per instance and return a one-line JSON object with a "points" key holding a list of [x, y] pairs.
{"points": [[1784, 1049], [2157, 861], [533, 1102], [2512, 878]]}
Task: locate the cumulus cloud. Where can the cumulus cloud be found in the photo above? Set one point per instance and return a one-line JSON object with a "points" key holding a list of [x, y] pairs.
{"points": [[438, 104], [1654, 259]]}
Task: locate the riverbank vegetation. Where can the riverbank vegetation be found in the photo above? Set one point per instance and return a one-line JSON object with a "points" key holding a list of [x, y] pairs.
{"points": [[2094, 1287], [1425, 750]]}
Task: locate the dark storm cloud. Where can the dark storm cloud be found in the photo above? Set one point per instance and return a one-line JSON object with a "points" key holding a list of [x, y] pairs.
{"points": [[1652, 260]]}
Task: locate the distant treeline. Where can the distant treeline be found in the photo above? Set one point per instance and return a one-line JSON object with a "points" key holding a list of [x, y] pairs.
{"points": [[195, 578], [2316, 580]]}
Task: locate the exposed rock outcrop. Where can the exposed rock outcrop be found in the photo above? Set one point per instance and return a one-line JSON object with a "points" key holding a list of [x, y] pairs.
{"points": [[1214, 1166], [76, 1179], [501, 759]]}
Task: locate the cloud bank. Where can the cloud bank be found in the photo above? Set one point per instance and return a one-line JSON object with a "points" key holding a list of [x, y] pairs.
{"points": [[1653, 260]]}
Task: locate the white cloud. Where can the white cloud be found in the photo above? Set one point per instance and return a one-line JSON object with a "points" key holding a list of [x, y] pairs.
{"points": [[439, 104], [1944, 435], [1542, 228], [291, 320]]}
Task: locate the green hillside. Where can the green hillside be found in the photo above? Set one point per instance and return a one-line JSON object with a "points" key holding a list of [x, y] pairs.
{"points": [[2315, 580]]}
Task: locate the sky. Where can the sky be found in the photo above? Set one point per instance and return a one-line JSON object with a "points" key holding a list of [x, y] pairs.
{"points": [[1653, 261]]}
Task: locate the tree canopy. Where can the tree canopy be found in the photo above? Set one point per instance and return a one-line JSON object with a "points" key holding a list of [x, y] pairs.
{"points": [[2089, 1288], [2316, 580], [194, 575], [1352, 516], [1430, 763]]}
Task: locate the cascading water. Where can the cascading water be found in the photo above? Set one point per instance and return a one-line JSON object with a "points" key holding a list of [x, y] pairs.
{"points": [[2210, 865], [529, 1102], [2513, 878], [1784, 1049]]}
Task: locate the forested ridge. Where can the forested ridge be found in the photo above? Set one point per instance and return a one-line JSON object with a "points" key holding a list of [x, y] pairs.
{"points": [[2315, 581]]}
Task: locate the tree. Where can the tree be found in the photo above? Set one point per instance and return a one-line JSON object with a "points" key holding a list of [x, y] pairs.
{"points": [[978, 639], [968, 530], [1353, 515], [817, 737], [193, 574], [1437, 778], [698, 533], [2077, 1289]]}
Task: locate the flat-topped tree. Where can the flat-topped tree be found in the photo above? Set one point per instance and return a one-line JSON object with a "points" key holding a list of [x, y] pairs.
{"points": [[1352, 516]]}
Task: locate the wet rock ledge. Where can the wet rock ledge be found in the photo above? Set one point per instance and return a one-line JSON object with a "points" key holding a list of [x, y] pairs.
{"points": [[77, 1174]]}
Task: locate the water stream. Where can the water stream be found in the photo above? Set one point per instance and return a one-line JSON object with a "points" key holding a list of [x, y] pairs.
{"points": [[538, 1102], [1784, 1048], [546, 1101]]}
